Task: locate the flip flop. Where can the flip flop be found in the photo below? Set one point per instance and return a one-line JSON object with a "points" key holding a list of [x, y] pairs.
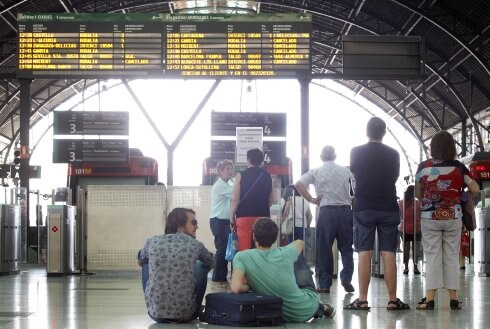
{"points": [[399, 305], [357, 305]]}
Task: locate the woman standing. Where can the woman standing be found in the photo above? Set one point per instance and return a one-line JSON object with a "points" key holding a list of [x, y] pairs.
{"points": [[252, 198], [410, 227], [220, 219], [438, 186]]}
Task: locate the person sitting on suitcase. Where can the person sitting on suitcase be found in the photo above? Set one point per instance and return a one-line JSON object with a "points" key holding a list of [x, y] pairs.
{"points": [[174, 269], [278, 272]]}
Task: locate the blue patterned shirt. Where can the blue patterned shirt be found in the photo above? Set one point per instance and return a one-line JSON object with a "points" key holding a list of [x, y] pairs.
{"points": [[170, 289]]}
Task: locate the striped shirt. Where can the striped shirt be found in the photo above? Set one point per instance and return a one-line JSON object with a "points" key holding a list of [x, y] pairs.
{"points": [[332, 182]]}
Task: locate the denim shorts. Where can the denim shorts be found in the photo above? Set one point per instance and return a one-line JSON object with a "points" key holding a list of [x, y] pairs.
{"points": [[367, 222]]}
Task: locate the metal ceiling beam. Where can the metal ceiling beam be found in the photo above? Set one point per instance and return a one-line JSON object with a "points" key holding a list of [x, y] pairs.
{"points": [[400, 145], [354, 23], [433, 118], [446, 82], [12, 6], [455, 38], [353, 13], [39, 103], [145, 114], [406, 121]]}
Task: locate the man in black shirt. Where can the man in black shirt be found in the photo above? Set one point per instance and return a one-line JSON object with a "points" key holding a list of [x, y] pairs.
{"points": [[376, 168]]}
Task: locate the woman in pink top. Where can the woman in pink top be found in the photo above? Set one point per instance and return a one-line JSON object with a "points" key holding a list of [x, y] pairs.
{"points": [[410, 210]]}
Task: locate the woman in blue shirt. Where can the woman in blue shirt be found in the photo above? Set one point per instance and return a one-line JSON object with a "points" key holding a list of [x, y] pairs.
{"points": [[220, 218]]}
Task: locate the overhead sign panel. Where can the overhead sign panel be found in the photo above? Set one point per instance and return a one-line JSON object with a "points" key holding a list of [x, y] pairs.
{"points": [[90, 151], [13, 171], [225, 123], [90, 123], [382, 57], [164, 45], [274, 151]]}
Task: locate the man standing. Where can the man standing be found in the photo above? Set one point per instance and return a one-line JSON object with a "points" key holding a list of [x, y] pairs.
{"points": [[376, 168], [278, 272], [333, 186]]}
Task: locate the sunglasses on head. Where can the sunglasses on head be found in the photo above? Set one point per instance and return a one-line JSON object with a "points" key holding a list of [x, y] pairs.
{"points": [[194, 222]]}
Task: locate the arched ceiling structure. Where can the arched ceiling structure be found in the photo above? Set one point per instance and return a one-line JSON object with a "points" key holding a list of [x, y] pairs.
{"points": [[454, 94]]}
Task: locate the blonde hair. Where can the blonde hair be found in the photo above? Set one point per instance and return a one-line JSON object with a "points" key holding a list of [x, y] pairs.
{"points": [[223, 163]]}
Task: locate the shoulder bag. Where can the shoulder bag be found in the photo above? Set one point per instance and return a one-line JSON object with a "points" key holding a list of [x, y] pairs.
{"points": [[468, 208]]}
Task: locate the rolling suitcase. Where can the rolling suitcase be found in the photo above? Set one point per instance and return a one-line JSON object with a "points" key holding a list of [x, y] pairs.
{"points": [[242, 310]]}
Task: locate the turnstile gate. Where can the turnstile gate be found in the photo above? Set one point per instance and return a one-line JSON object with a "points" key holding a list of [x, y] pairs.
{"points": [[10, 231], [61, 239]]}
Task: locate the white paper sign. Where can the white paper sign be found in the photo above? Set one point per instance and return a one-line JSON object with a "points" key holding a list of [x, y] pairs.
{"points": [[247, 138]]}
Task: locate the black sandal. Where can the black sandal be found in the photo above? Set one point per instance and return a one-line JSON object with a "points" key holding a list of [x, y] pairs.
{"points": [[357, 305], [399, 305], [425, 304], [455, 304]]}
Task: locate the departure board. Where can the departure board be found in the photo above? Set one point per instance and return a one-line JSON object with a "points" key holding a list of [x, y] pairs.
{"points": [[164, 45], [92, 151]]}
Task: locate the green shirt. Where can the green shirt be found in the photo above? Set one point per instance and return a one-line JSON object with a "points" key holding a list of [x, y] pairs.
{"points": [[271, 272]]}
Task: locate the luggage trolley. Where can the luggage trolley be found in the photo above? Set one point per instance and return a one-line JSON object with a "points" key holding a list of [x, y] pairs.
{"points": [[310, 251]]}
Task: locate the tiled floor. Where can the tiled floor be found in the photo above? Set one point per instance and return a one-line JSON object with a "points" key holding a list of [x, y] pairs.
{"points": [[115, 300]]}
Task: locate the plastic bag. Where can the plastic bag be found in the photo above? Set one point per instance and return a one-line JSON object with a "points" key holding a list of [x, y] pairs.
{"points": [[232, 246], [287, 226]]}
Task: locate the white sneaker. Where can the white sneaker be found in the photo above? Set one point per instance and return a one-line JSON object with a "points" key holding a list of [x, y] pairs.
{"points": [[220, 286]]}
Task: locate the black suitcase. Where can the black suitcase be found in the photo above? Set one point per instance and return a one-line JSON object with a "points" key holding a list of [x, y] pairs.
{"points": [[242, 310]]}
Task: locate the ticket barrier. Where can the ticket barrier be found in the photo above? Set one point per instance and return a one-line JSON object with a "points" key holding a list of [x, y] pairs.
{"points": [[482, 242], [61, 240], [10, 238]]}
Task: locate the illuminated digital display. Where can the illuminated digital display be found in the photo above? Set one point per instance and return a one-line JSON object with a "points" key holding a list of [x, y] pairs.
{"points": [[164, 45]]}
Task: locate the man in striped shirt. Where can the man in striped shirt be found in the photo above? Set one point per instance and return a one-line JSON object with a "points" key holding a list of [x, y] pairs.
{"points": [[333, 186]]}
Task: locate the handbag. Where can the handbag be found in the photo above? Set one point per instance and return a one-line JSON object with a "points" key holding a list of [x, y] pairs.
{"points": [[468, 209], [287, 225], [232, 246]]}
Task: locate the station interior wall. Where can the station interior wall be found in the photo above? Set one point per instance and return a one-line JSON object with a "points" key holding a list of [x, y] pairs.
{"points": [[121, 217]]}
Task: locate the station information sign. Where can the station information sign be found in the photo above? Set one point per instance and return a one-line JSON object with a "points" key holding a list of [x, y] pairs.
{"points": [[274, 151], [60, 45], [90, 123], [225, 123], [107, 151]]}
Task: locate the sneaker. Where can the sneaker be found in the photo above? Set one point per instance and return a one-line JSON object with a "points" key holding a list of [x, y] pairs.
{"points": [[329, 311], [219, 286], [348, 286], [201, 315]]}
